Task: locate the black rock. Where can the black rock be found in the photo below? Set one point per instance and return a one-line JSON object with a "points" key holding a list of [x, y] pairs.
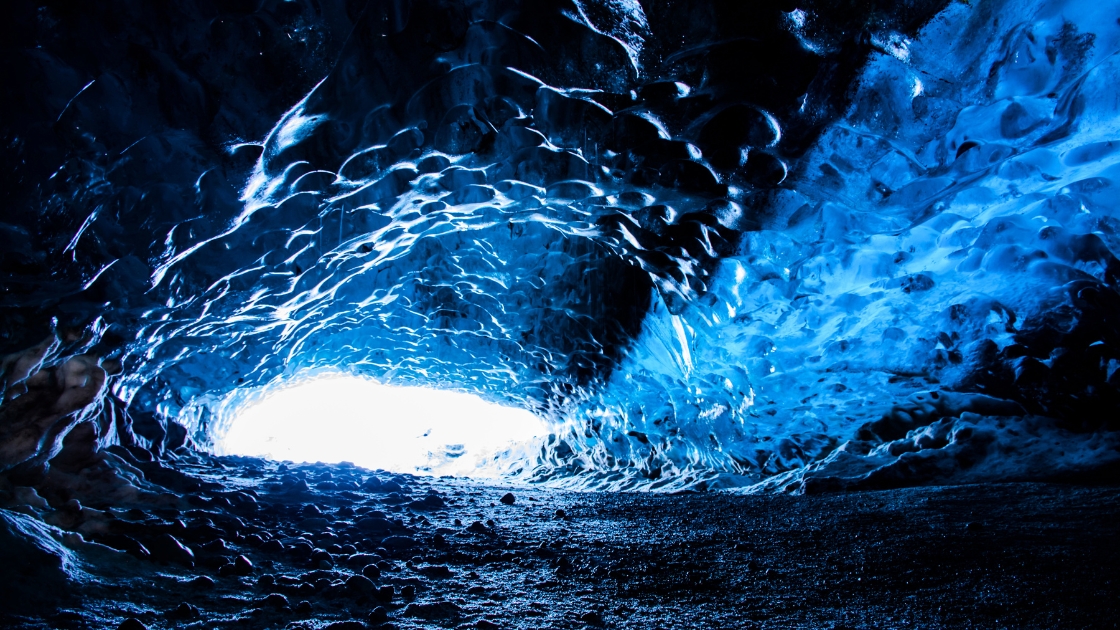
{"points": [[132, 623], [485, 624], [167, 548], [508, 498], [592, 618], [432, 610], [272, 546], [345, 625], [184, 611], [379, 615], [398, 543], [437, 571], [126, 544], [408, 591], [275, 600], [371, 571], [303, 608], [359, 585]]}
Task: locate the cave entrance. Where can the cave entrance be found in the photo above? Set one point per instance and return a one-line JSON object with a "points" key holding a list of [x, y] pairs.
{"points": [[415, 430]]}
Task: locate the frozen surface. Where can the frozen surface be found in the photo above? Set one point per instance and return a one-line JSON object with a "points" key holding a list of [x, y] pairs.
{"points": [[709, 244]]}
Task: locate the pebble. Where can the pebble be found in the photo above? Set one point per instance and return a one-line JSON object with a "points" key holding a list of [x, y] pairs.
{"points": [[437, 571], [185, 611], [303, 608], [385, 593], [318, 556], [508, 498], [202, 581], [167, 548], [275, 600], [359, 584], [379, 615], [398, 543], [132, 623], [592, 618], [372, 571], [486, 624], [432, 610], [408, 591], [272, 546], [345, 625]]}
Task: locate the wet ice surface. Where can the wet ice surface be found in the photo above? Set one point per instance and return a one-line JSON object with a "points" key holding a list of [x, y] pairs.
{"points": [[329, 547], [702, 272]]}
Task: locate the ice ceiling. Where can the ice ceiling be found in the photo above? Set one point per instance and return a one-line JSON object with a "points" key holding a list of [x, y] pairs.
{"points": [[779, 245]]}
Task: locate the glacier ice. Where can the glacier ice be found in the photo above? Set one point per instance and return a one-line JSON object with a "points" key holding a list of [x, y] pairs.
{"points": [[779, 245]]}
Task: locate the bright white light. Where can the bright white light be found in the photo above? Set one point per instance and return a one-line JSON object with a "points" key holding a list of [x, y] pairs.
{"points": [[401, 429]]}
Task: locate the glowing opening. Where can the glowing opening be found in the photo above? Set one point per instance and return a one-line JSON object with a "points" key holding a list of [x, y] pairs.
{"points": [[401, 429]]}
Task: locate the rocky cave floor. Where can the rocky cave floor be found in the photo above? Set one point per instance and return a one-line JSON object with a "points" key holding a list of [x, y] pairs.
{"points": [[336, 546]]}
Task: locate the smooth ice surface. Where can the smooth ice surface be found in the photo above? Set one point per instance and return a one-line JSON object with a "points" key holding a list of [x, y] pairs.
{"points": [[335, 418]]}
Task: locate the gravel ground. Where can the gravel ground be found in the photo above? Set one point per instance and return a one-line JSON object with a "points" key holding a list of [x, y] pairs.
{"points": [[340, 547]]}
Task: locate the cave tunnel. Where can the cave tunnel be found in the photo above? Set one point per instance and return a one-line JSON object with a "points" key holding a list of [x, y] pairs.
{"points": [[559, 314]]}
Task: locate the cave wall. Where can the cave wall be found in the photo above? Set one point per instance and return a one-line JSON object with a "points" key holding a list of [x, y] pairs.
{"points": [[822, 244]]}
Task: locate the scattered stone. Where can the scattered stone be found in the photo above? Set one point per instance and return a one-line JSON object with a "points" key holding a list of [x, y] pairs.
{"points": [[398, 543], [167, 548], [428, 503], [508, 498], [272, 546], [359, 584], [303, 608], [432, 611], [436, 571], [184, 611], [202, 581], [974, 527], [266, 581], [385, 593], [362, 559], [560, 513], [486, 624], [318, 556], [345, 625], [372, 571], [408, 591], [592, 618], [132, 623], [316, 524], [275, 600], [379, 615]]}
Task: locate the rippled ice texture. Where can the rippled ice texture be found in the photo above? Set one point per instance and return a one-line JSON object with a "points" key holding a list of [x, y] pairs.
{"points": [[710, 243]]}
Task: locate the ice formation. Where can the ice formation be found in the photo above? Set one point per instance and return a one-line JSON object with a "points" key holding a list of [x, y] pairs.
{"points": [[789, 246]]}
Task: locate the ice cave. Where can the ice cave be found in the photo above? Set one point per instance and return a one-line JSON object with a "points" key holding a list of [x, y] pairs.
{"points": [[560, 314]]}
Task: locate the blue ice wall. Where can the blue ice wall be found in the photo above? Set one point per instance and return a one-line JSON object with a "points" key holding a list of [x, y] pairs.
{"points": [[809, 245]]}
